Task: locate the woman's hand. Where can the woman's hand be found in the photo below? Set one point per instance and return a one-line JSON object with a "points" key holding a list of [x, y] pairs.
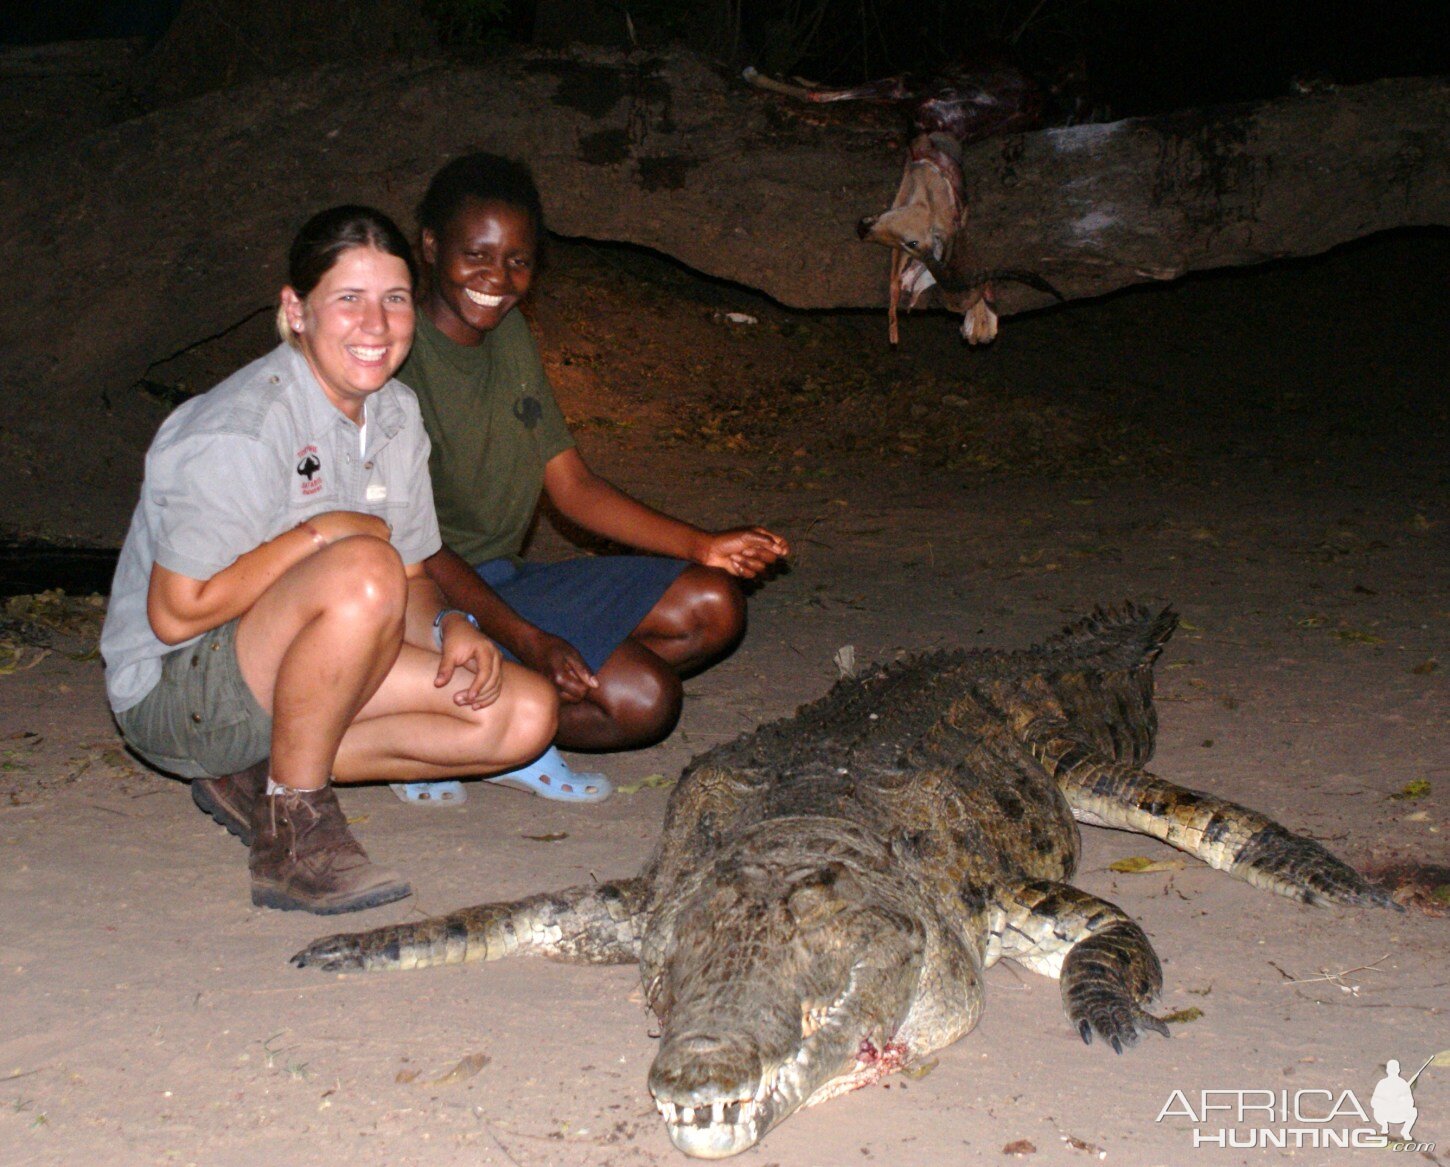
{"points": [[335, 525], [582, 497], [464, 646], [742, 551], [557, 659], [179, 607]]}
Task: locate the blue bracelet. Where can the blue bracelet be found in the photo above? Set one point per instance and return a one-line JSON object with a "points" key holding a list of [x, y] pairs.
{"points": [[438, 623]]}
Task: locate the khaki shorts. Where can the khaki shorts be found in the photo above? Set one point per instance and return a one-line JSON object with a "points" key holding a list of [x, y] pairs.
{"points": [[201, 718]]}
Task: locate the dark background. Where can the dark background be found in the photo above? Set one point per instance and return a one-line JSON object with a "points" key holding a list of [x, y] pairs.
{"points": [[1133, 56]]}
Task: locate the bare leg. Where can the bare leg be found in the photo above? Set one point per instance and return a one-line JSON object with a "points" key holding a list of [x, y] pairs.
{"points": [[323, 650], [637, 703], [316, 646], [413, 732], [700, 617]]}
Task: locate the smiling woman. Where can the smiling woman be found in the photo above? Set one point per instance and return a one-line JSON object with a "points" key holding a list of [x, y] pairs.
{"points": [[355, 327], [349, 307], [271, 629], [614, 634], [481, 266]]}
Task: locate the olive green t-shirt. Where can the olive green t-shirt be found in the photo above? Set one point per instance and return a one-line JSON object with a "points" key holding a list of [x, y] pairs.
{"points": [[491, 415]]}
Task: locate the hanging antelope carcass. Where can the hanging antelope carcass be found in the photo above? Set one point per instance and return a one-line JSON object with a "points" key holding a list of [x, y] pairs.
{"points": [[929, 212]]}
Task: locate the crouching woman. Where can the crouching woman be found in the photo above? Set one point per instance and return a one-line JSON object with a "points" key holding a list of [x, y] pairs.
{"points": [[271, 631]]}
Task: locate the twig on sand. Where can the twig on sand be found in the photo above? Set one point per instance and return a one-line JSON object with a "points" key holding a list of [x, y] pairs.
{"points": [[1334, 978], [497, 1142]]}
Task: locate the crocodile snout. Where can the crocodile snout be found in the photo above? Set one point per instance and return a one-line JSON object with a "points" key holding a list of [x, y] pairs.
{"points": [[712, 1093]]}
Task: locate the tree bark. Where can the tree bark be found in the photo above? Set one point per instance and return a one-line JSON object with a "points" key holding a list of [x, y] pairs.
{"points": [[159, 232]]}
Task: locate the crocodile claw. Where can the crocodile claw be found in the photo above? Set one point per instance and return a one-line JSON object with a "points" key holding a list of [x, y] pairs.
{"points": [[340, 953], [1120, 1023], [1106, 980]]}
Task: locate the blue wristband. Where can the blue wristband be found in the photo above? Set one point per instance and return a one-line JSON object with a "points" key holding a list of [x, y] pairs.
{"points": [[438, 623]]}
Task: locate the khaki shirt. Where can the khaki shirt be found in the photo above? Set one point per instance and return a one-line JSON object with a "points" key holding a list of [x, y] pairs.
{"points": [[238, 466]]}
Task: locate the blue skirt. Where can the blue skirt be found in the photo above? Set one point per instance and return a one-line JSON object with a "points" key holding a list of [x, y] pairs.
{"points": [[593, 602]]}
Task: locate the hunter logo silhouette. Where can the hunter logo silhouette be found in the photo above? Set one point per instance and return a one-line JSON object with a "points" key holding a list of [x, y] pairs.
{"points": [[309, 466], [528, 410]]}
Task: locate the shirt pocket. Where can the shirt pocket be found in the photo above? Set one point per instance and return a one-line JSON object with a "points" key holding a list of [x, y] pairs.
{"points": [[386, 491]]}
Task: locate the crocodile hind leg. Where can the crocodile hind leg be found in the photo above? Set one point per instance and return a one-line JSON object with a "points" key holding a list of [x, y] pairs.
{"points": [[1103, 962], [1232, 838], [594, 924]]}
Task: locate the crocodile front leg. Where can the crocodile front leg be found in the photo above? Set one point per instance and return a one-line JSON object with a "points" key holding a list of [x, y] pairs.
{"points": [[1103, 962], [593, 924]]}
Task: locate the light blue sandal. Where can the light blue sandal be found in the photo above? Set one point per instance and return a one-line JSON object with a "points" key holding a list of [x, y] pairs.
{"points": [[549, 776], [445, 793]]}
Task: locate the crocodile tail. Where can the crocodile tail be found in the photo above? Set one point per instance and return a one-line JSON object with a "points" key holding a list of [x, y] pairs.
{"points": [[1092, 681], [1110, 639], [1105, 685], [593, 924], [1229, 837]]}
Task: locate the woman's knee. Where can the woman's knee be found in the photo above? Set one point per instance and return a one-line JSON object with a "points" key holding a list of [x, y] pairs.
{"points": [[639, 693], [365, 580], [530, 713], [717, 606]]}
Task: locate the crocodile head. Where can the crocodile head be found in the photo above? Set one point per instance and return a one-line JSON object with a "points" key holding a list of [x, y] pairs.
{"points": [[782, 983]]}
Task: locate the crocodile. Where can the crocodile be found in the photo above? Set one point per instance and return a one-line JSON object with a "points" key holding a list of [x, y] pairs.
{"points": [[829, 887]]}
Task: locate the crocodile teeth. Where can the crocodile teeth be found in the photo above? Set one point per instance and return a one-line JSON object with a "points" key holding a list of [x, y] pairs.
{"points": [[736, 1112]]}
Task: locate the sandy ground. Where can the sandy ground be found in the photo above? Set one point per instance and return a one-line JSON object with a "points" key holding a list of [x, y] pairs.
{"points": [[1298, 523]]}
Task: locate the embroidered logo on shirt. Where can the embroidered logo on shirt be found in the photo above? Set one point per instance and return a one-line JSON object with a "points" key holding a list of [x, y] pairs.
{"points": [[309, 469], [529, 411]]}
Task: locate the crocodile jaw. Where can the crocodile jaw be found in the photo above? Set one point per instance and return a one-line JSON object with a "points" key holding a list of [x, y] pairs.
{"points": [[738, 1128], [781, 978], [724, 1081], [717, 1098]]}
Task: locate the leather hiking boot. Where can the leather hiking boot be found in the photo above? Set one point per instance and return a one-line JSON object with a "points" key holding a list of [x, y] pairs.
{"points": [[305, 859], [229, 799]]}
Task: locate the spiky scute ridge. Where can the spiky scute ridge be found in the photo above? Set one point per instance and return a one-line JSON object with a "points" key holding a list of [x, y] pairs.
{"points": [[1102, 664]]}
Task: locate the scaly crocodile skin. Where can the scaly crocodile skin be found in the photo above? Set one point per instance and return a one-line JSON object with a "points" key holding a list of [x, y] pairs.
{"points": [[828, 888]]}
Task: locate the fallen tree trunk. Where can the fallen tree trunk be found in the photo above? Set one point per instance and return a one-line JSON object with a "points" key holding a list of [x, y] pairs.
{"points": [[1095, 208], [147, 237]]}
